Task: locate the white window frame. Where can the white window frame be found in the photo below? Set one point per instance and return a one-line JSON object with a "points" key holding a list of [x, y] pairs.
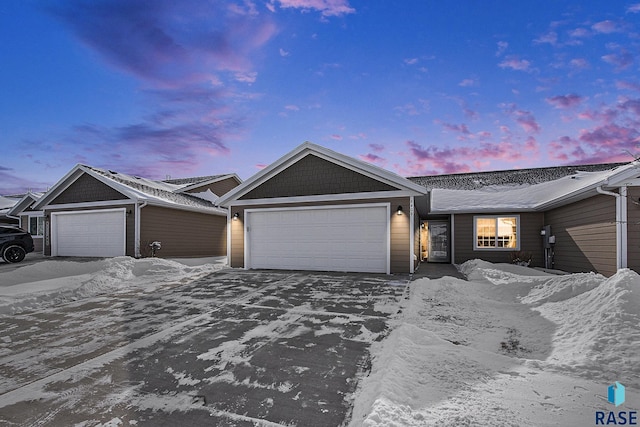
{"points": [[28, 227], [495, 248]]}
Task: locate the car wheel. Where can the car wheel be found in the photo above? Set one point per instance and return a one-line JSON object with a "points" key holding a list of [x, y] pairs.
{"points": [[14, 253]]}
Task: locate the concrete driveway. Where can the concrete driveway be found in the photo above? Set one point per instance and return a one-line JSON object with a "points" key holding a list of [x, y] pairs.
{"points": [[234, 348]]}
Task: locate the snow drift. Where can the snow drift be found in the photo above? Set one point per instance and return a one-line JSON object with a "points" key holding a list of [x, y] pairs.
{"points": [[511, 346]]}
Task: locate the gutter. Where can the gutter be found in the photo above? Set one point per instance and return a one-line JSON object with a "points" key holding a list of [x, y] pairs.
{"points": [[621, 224]]}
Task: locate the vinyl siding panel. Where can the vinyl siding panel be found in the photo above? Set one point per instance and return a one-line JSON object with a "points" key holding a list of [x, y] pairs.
{"points": [[530, 240], [182, 233], [312, 175], [399, 230], [87, 189], [633, 228], [585, 235]]}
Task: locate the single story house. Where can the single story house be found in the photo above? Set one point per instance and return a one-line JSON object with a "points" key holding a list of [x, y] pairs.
{"points": [[30, 219], [315, 209], [99, 213], [586, 220]]}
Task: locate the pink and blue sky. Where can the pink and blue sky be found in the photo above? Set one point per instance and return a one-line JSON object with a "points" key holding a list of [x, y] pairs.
{"points": [[202, 87]]}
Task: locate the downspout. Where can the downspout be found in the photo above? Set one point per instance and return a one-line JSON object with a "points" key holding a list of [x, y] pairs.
{"points": [[136, 232], [621, 224], [229, 225], [412, 233], [452, 244]]}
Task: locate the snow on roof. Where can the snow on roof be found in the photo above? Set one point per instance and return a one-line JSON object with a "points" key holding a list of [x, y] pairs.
{"points": [[523, 197], [158, 191], [7, 202], [477, 180]]}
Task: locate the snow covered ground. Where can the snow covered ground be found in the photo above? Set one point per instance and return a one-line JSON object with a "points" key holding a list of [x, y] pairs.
{"points": [[512, 346], [54, 281]]}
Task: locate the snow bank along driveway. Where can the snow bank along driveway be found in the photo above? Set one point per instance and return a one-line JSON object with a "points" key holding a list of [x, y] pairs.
{"points": [[510, 347], [154, 342]]}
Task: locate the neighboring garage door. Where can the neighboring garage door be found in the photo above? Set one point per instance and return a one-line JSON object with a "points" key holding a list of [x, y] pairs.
{"points": [[323, 239], [90, 234]]}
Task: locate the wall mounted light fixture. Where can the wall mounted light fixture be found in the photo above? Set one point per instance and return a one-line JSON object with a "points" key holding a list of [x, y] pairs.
{"points": [[399, 210], [236, 216]]}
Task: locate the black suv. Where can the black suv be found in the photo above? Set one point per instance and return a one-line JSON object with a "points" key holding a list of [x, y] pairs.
{"points": [[15, 243]]}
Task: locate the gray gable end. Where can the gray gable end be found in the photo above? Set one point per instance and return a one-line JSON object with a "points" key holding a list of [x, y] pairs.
{"points": [[87, 189], [312, 176]]}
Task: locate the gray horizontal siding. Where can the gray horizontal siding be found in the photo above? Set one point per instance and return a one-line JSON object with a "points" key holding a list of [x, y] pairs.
{"points": [[585, 235], [530, 241], [182, 233]]}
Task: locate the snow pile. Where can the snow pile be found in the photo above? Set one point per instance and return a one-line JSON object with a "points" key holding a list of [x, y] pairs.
{"points": [[597, 318], [51, 282], [511, 346]]}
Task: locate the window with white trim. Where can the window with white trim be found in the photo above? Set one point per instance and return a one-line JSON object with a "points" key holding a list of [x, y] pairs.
{"points": [[36, 225], [496, 232]]}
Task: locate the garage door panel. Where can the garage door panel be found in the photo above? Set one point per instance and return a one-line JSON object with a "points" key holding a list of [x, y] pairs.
{"points": [[90, 234], [331, 239]]}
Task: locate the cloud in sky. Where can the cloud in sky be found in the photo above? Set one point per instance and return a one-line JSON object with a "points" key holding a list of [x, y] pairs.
{"points": [[615, 131], [168, 42], [186, 55], [606, 27], [565, 101], [515, 63], [437, 159], [325, 7]]}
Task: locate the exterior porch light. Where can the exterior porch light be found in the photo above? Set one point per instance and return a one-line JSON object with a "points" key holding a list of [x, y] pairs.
{"points": [[399, 211], [236, 216]]}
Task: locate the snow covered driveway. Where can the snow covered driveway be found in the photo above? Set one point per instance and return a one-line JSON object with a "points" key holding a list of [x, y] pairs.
{"points": [[141, 342]]}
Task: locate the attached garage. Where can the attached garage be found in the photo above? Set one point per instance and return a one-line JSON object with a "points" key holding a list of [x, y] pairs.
{"points": [[94, 212], [332, 238], [315, 209], [89, 233]]}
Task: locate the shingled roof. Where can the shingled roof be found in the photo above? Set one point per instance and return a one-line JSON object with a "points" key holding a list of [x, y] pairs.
{"points": [[477, 180], [159, 190]]}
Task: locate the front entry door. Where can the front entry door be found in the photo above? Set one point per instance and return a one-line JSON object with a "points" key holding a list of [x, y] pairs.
{"points": [[438, 241]]}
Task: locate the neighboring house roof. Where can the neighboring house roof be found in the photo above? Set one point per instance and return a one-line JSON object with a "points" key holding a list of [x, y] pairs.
{"points": [[6, 203], [477, 180], [308, 148], [527, 197], [191, 183], [24, 203], [137, 189]]}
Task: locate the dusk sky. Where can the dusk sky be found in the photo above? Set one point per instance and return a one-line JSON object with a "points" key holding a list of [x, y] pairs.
{"points": [[203, 87]]}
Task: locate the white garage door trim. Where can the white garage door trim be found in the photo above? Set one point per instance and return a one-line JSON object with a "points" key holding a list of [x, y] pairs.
{"points": [[55, 228], [387, 232]]}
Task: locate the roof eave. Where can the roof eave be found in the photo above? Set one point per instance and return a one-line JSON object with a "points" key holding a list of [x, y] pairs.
{"points": [[310, 148]]}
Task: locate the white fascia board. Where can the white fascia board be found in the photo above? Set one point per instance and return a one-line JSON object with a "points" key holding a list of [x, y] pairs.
{"points": [[165, 204], [323, 198], [307, 148], [84, 205], [75, 173], [62, 184], [26, 201], [482, 210]]}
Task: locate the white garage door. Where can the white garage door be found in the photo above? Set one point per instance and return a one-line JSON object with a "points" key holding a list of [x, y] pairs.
{"points": [[90, 234], [323, 239]]}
